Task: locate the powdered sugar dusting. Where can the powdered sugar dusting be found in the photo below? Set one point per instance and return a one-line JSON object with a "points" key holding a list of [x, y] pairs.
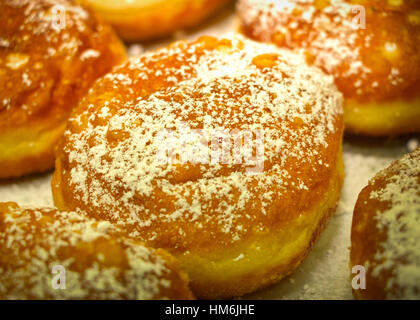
{"points": [[39, 38], [362, 45], [297, 107], [325, 273], [35, 240], [401, 223], [42, 17], [330, 46]]}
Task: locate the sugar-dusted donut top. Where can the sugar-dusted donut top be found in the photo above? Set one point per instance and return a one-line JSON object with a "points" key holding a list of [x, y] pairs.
{"points": [[398, 189], [108, 159], [371, 47], [47, 50], [98, 262]]}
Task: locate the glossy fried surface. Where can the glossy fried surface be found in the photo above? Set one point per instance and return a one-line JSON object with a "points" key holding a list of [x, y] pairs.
{"points": [[370, 47], [213, 216], [385, 237], [97, 260], [137, 20], [50, 54]]}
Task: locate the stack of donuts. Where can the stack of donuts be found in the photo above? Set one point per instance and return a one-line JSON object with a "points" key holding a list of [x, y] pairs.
{"points": [[207, 168]]}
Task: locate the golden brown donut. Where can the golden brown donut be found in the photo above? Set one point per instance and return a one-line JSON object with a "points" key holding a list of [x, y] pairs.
{"points": [[93, 259], [136, 20], [375, 65], [385, 235], [233, 231], [51, 51]]}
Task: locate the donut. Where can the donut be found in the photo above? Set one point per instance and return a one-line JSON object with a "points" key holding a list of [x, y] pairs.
{"points": [[225, 152], [385, 237], [370, 47], [51, 51], [137, 20], [48, 254]]}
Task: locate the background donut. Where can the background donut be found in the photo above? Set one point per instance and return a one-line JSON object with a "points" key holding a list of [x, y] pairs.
{"points": [[98, 261], [149, 19], [233, 231], [385, 237], [370, 47], [50, 54]]}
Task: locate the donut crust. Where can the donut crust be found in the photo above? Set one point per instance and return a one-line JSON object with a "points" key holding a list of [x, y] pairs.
{"points": [[223, 257], [270, 257], [142, 20], [378, 120], [100, 262], [368, 238], [374, 62], [44, 72]]}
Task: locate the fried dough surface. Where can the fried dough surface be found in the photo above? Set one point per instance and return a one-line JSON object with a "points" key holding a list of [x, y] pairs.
{"points": [[236, 226], [93, 259], [385, 237], [51, 51], [139, 20], [370, 47]]}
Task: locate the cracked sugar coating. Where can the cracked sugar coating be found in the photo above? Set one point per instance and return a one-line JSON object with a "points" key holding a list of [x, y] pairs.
{"points": [[99, 262], [287, 170], [51, 51], [386, 231]]}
